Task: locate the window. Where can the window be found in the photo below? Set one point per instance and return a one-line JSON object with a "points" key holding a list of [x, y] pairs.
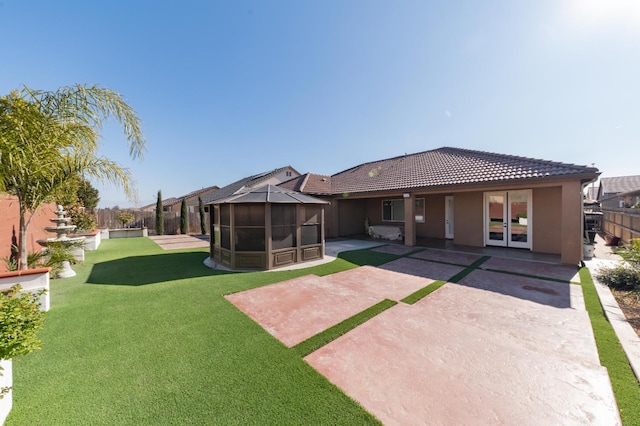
{"points": [[393, 210], [419, 210]]}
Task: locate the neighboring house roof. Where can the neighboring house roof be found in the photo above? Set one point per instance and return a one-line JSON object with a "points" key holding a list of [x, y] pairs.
{"points": [[445, 167], [248, 182], [270, 194], [170, 202], [309, 183], [611, 187], [200, 191]]}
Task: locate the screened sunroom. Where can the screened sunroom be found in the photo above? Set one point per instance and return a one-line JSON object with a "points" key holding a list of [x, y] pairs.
{"points": [[266, 228]]}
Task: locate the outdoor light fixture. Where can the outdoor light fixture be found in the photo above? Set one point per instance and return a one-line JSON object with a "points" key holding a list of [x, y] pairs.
{"points": [[406, 195]]}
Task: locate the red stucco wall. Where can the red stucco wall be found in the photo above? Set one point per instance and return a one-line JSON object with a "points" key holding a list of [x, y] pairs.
{"points": [[10, 223]]}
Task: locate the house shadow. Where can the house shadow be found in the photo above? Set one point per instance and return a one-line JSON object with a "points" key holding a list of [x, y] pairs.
{"points": [[151, 269], [550, 291], [538, 290]]}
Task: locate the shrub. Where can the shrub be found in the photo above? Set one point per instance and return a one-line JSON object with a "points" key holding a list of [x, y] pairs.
{"points": [[20, 319], [624, 277], [631, 253], [80, 218], [620, 278]]}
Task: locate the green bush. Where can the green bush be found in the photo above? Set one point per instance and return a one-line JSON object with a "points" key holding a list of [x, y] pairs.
{"points": [[624, 277], [80, 218], [20, 319], [620, 278], [631, 253]]}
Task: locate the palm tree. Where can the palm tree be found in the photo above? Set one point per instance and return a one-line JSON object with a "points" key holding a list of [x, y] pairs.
{"points": [[48, 137]]}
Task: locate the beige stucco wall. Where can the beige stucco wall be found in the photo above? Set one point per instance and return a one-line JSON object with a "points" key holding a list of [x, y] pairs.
{"points": [[468, 219], [546, 220], [433, 227], [352, 213], [556, 220]]}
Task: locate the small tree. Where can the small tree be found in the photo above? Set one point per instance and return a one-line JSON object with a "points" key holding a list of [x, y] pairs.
{"points": [[20, 319], [159, 215], [88, 195], [84, 221], [47, 138], [184, 218], [203, 222], [125, 217]]}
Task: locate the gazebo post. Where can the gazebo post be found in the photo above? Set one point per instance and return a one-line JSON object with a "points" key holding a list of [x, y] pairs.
{"points": [[267, 235]]}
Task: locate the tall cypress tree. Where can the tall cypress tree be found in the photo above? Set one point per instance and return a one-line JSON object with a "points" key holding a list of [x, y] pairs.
{"points": [[203, 222], [184, 218], [159, 215]]}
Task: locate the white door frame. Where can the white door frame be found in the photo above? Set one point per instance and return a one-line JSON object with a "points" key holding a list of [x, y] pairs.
{"points": [[507, 225], [448, 217]]}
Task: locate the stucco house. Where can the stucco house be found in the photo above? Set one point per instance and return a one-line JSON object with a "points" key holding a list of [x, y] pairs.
{"points": [[473, 198], [272, 177], [618, 191]]}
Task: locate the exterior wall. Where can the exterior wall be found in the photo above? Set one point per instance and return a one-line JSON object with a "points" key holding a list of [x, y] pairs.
{"points": [[468, 219], [10, 224], [278, 178], [572, 231], [433, 226], [352, 214], [556, 216], [546, 220]]}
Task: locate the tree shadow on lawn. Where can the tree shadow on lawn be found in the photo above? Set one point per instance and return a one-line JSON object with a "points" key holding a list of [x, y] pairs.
{"points": [[151, 269]]}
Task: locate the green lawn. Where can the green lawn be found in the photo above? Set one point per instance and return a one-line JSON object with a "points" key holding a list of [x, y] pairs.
{"points": [[149, 339], [144, 336]]}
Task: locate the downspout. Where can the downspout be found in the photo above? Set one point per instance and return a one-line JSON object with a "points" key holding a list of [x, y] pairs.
{"points": [[582, 188]]}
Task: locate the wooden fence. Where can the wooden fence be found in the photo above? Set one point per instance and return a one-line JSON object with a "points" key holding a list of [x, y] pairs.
{"points": [[107, 218], [623, 223]]}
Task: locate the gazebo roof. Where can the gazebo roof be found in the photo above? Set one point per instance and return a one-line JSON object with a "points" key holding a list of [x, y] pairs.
{"points": [[270, 194]]}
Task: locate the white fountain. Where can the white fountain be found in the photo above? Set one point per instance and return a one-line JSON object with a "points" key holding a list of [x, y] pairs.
{"points": [[61, 229]]}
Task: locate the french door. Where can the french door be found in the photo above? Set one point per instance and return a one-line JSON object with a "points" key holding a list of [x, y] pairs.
{"points": [[508, 218]]}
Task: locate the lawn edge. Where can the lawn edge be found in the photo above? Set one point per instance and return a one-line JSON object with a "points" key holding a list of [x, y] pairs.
{"points": [[625, 385], [321, 339]]}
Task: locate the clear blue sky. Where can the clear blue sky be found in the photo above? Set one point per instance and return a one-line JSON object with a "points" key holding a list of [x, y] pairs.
{"points": [[227, 89]]}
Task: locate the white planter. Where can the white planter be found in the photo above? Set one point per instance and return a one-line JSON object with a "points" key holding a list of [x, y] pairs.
{"points": [[588, 250], [128, 233], [31, 280], [6, 380]]}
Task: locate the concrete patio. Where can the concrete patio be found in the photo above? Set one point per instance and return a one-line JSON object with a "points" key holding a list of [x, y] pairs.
{"points": [[493, 348]]}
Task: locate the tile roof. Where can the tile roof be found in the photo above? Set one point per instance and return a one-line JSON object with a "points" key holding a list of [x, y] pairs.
{"points": [[250, 181], [169, 202], [199, 191], [619, 184], [448, 167], [309, 183]]}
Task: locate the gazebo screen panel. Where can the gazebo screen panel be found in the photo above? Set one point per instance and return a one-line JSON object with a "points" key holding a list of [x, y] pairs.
{"points": [[311, 229], [283, 226]]}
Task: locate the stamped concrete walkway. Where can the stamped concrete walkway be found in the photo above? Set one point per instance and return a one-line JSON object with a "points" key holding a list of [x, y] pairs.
{"points": [[175, 242], [495, 348]]}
